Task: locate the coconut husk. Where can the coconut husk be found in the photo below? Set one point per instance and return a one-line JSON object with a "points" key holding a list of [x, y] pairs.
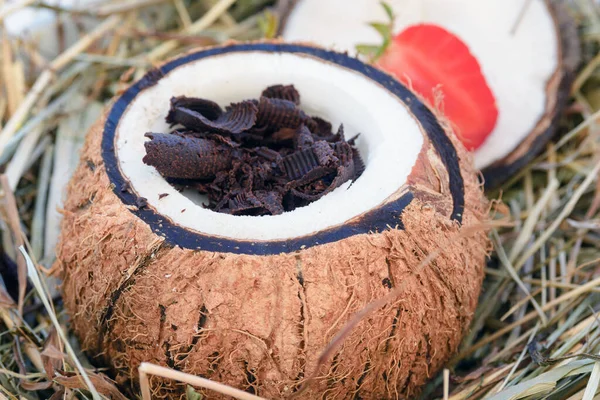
{"points": [[260, 322]]}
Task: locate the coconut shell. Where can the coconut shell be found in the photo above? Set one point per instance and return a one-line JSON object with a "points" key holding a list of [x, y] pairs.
{"points": [[257, 317], [558, 93]]}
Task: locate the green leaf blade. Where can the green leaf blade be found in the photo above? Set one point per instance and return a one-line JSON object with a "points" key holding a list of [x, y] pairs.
{"points": [[388, 10], [384, 30]]}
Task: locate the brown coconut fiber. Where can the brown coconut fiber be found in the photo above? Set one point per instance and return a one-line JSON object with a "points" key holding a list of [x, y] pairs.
{"points": [[260, 323]]}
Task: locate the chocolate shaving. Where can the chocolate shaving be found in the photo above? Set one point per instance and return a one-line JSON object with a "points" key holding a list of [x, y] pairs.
{"points": [[284, 92], [183, 157], [303, 138], [256, 157], [280, 114], [237, 118], [268, 154], [323, 128], [329, 136], [340, 137], [325, 154], [345, 172], [359, 164], [209, 109], [284, 135], [245, 201], [271, 201], [300, 163]]}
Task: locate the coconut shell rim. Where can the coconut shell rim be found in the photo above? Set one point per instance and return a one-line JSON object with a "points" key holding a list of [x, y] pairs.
{"points": [[373, 220], [570, 51]]}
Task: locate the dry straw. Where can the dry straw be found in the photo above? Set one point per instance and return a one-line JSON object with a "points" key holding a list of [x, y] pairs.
{"points": [[535, 333]]}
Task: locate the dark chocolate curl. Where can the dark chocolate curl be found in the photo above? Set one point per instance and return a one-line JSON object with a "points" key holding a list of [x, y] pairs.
{"points": [[260, 202], [303, 139], [305, 166], [344, 152], [345, 171], [186, 157], [237, 118], [300, 163], [279, 113], [268, 153], [221, 139], [313, 175], [324, 128], [344, 174], [324, 132], [283, 135], [243, 202], [325, 154], [271, 201], [359, 164], [340, 137], [283, 92], [207, 108]]}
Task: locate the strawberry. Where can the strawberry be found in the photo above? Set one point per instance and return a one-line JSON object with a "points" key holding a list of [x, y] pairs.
{"points": [[429, 58]]}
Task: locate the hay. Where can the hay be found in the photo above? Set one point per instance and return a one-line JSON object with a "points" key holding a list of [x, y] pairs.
{"points": [[536, 330]]}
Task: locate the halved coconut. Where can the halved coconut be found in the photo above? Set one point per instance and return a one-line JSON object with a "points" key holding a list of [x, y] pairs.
{"points": [[527, 51], [252, 301]]}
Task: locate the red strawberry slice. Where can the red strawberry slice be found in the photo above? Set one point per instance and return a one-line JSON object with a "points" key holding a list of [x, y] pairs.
{"points": [[427, 57]]}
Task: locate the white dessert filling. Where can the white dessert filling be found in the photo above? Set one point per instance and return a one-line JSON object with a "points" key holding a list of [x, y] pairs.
{"points": [[390, 138], [517, 63]]}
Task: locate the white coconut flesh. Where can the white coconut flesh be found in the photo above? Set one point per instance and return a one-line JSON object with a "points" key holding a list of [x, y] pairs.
{"points": [[390, 139], [515, 41]]}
